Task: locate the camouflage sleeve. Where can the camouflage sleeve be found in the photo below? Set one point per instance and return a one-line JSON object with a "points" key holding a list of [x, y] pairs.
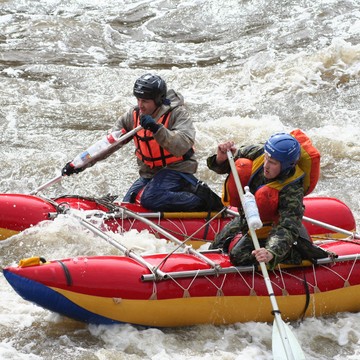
{"points": [[223, 168], [250, 152], [284, 234]]}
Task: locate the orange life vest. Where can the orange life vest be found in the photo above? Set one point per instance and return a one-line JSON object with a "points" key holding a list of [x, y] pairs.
{"points": [[147, 148], [309, 160], [267, 196]]}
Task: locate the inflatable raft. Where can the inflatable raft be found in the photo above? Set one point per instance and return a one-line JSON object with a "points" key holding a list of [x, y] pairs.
{"points": [[184, 289], [19, 212]]}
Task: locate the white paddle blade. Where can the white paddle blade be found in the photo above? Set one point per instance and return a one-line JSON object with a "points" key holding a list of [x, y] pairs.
{"points": [[278, 348]]}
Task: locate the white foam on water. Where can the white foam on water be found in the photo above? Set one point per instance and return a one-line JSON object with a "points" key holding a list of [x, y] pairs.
{"points": [[246, 70]]}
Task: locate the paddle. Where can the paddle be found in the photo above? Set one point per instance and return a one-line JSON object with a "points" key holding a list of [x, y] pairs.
{"points": [[56, 179], [47, 184], [284, 343]]}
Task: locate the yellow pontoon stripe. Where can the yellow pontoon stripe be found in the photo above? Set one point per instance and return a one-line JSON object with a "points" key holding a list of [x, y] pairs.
{"points": [[215, 310], [330, 236], [6, 233]]}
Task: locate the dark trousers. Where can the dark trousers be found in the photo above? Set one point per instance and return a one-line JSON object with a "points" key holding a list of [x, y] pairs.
{"points": [[168, 190]]}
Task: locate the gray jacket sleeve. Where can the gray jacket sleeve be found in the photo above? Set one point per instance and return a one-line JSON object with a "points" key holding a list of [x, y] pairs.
{"points": [[180, 135]]}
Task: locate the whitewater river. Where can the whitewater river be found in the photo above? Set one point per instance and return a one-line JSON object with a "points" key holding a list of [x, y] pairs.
{"points": [[247, 69]]}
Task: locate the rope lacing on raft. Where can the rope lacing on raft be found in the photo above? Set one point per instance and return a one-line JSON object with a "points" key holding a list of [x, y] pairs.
{"points": [[283, 289], [251, 287], [186, 293], [346, 280], [219, 288]]}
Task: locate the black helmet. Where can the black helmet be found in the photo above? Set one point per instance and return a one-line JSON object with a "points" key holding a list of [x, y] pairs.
{"points": [[150, 86]]}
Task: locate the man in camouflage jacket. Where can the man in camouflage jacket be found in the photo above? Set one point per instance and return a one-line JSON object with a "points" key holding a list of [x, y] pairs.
{"points": [[279, 244]]}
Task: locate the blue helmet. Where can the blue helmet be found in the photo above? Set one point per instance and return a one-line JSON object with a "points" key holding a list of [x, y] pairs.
{"points": [[150, 86], [284, 148]]}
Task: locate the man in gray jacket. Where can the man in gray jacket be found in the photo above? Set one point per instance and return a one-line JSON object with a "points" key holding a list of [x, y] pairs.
{"points": [[164, 149]]}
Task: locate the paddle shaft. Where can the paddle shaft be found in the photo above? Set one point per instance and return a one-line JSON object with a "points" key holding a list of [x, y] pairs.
{"points": [[276, 311], [55, 180], [47, 184]]}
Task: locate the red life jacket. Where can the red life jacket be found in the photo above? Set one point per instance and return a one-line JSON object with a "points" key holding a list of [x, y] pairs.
{"points": [[147, 148]]}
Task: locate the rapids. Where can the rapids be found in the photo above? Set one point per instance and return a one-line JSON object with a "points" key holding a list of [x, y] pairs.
{"points": [[247, 69]]}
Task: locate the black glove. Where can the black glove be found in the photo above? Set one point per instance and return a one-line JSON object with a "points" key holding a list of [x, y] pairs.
{"points": [[148, 123], [69, 169]]}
